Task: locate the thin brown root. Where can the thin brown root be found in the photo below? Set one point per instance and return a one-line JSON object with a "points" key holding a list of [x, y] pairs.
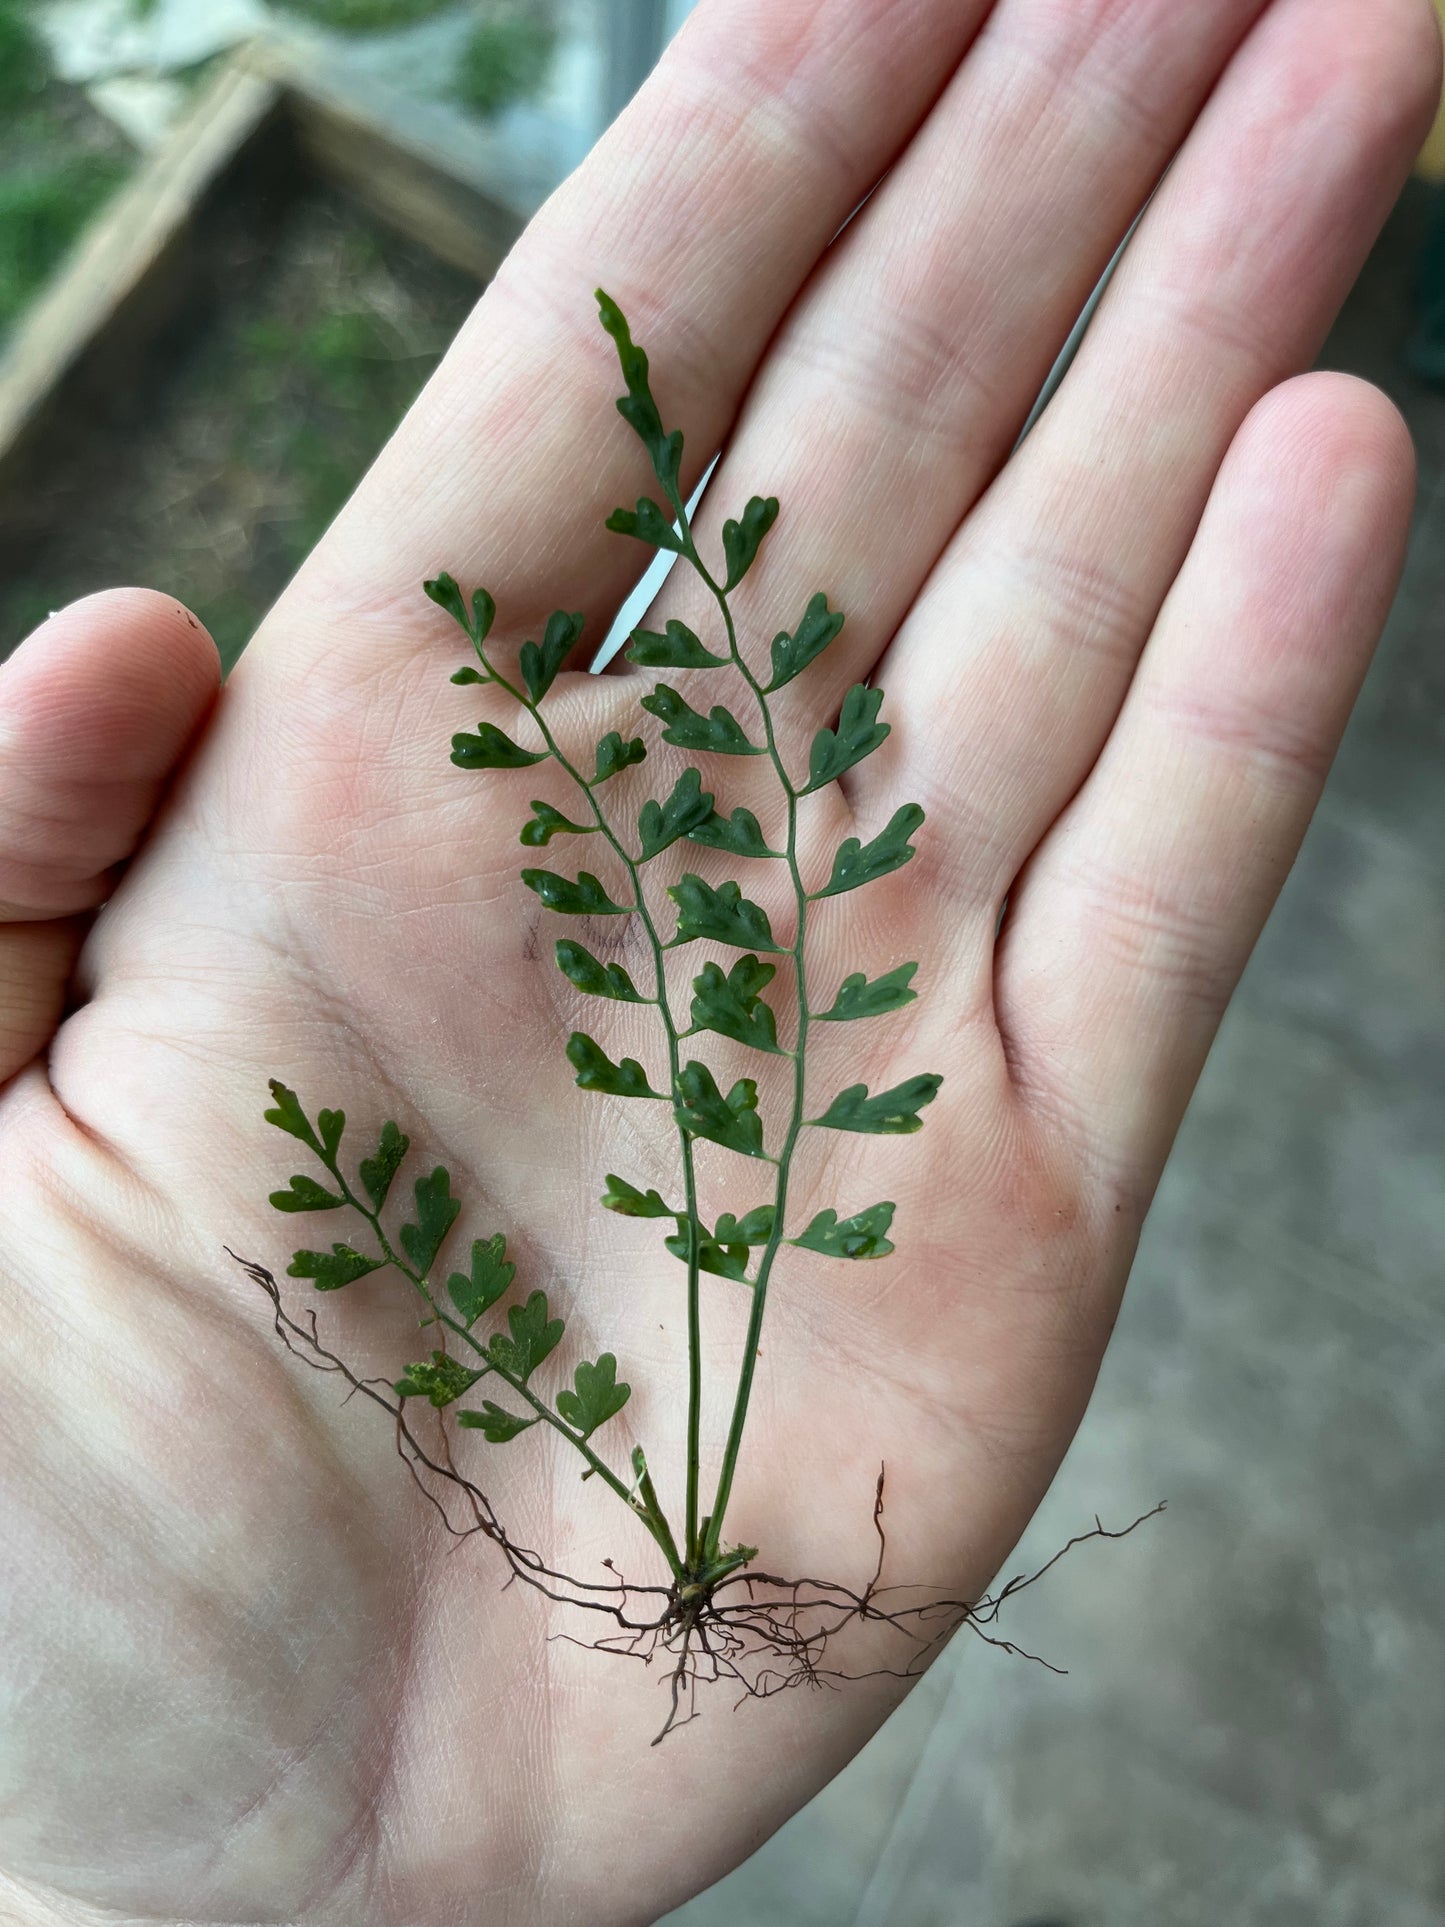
{"points": [[754, 1631]]}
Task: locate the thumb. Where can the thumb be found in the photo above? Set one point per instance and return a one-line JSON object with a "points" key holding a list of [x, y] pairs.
{"points": [[96, 710]]}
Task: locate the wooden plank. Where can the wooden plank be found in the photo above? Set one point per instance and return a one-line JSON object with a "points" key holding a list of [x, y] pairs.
{"points": [[1432, 160], [418, 168], [127, 276]]}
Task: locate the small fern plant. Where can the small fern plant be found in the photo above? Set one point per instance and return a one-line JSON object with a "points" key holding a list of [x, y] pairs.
{"points": [[488, 1372]]}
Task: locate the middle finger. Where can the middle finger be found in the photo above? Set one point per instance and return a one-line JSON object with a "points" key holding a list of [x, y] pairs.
{"points": [[1035, 618], [906, 367]]}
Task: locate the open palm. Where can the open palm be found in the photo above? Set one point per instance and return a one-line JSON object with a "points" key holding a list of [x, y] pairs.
{"points": [[245, 1675]]}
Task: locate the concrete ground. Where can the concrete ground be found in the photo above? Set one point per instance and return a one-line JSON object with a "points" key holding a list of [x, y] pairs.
{"points": [[1252, 1731]]}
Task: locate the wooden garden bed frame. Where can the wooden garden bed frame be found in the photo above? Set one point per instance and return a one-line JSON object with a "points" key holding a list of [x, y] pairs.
{"points": [[274, 121]]}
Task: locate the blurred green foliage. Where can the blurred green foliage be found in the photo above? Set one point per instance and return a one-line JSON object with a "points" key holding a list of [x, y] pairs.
{"points": [[58, 162], [505, 59], [41, 212], [22, 64], [367, 16]]}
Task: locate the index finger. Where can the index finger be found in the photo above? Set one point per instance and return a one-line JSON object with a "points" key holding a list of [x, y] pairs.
{"points": [[702, 211]]}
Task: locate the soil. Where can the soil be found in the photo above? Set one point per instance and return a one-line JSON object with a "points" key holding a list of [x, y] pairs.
{"points": [[216, 479]]}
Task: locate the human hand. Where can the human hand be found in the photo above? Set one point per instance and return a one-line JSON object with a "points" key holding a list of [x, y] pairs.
{"points": [[245, 1676]]}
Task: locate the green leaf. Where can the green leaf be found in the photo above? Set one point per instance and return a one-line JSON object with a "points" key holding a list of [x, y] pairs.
{"points": [[739, 833], [724, 914], [742, 540], [495, 1425], [637, 407], [540, 666], [441, 1381], [492, 748], [436, 1213], [628, 1202], [445, 593], [648, 524], [863, 1236], [597, 1072], [546, 823], [584, 898], [857, 997], [792, 653], [484, 614], [754, 1229], [287, 1115], [663, 823], [468, 674], [732, 1005], [613, 755], [533, 1337], [859, 863], [378, 1172], [702, 1110], [858, 734], [330, 1124], [306, 1195], [332, 1269], [578, 965], [724, 1261], [679, 648], [890, 1113], [598, 1396], [719, 731], [489, 1278]]}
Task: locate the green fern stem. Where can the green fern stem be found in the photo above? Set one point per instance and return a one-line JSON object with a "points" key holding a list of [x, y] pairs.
{"points": [[689, 1172], [709, 1561]]}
